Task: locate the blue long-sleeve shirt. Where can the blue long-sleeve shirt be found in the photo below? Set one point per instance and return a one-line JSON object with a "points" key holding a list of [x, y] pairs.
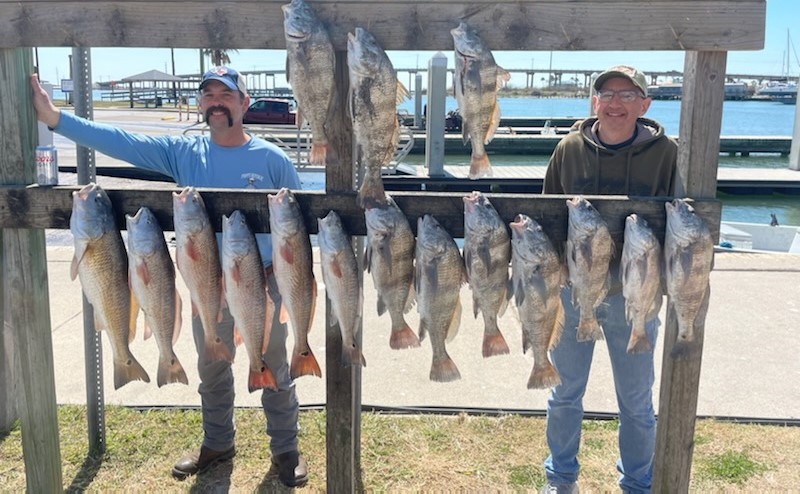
{"points": [[191, 160]]}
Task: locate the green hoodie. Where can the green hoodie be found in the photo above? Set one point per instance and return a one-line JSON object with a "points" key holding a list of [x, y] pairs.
{"points": [[581, 164]]}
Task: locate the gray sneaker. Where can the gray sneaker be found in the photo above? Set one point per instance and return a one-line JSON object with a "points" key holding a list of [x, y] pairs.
{"points": [[571, 488]]}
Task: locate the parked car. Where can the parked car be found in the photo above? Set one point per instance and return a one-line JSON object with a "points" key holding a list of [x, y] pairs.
{"points": [[270, 111]]}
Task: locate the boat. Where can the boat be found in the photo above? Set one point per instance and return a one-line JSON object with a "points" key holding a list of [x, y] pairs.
{"points": [[673, 90], [780, 91], [757, 237]]}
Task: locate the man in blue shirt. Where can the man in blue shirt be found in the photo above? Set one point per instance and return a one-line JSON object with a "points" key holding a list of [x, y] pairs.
{"points": [[228, 158]]}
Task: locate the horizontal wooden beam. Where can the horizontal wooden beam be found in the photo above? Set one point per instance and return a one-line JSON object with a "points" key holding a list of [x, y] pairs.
{"points": [[710, 25], [46, 207]]}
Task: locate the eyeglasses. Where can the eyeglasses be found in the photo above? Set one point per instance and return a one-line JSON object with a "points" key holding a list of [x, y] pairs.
{"points": [[626, 95]]}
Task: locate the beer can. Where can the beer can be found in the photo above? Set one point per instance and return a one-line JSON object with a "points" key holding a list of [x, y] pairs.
{"points": [[46, 165]]}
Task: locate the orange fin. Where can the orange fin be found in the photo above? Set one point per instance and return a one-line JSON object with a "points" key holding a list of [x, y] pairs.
{"points": [[128, 370], [261, 380], [444, 370], [494, 344], [403, 338], [171, 371], [304, 365], [543, 377]]}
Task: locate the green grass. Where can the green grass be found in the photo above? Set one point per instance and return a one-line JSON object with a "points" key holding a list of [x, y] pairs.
{"points": [[407, 453]]}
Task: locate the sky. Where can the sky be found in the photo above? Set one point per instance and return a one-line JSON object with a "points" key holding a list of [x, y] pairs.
{"points": [[106, 66]]}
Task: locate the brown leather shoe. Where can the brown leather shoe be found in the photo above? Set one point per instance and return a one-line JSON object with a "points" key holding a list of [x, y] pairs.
{"points": [[291, 467], [200, 460]]}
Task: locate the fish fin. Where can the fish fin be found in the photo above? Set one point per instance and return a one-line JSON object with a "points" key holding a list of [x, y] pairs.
{"points": [[170, 370], [455, 322], [283, 316], [403, 338], [319, 153], [261, 380], [73, 268], [195, 312], [423, 330], [558, 325], [216, 349], [479, 166], [269, 315], [371, 194], [411, 300], [143, 272], [503, 76], [402, 93], [431, 273], [494, 344], [381, 305], [444, 370], [638, 342], [147, 331], [475, 307], [127, 370], [313, 302], [588, 328], [133, 313], [368, 258], [655, 308], [503, 302], [685, 260], [304, 364], [352, 356], [544, 376], [585, 249], [335, 268], [237, 336], [519, 293], [286, 253], [494, 123], [685, 349], [191, 249], [176, 329]]}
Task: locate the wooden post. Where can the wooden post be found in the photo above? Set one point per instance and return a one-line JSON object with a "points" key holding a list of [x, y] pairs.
{"points": [[698, 156], [25, 269], [343, 384], [435, 118]]}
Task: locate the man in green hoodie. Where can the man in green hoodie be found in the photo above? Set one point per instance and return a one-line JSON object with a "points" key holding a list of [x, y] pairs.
{"points": [[616, 152]]}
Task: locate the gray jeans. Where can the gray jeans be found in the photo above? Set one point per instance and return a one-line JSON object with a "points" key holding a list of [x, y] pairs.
{"points": [[217, 387]]}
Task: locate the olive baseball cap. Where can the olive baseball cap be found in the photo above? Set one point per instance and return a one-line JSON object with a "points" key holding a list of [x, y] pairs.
{"points": [[636, 77], [226, 75]]}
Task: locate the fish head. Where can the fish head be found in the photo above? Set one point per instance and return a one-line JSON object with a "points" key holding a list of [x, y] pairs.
{"points": [[683, 221], [332, 236], [467, 43], [144, 233], [383, 221], [479, 214], [92, 213], [299, 21], [431, 236], [237, 238], [582, 214], [364, 54], [189, 210], [284, 212], [528, 237]]}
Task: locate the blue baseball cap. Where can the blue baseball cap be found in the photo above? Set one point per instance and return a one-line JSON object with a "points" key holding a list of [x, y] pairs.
{"points": [[226, 75]]}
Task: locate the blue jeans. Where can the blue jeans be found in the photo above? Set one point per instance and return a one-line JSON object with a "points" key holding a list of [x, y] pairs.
{"points": [[633, 381], [217, 387]]}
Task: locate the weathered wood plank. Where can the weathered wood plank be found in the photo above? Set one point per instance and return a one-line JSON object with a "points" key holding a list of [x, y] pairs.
{"points": [[342, 384], [24, 279], [701, 118], [711, 25], [50, 207]]}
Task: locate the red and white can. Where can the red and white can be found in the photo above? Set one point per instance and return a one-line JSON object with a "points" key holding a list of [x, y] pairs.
{"points": [[46, 165]]}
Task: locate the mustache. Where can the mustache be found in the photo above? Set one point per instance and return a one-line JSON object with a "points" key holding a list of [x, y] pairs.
{"points": [[220, 109]]}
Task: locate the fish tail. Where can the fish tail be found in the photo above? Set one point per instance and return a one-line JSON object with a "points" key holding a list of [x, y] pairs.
{"points": [[371, 194], [494, 344], [638, 342], [479, 166], [444, 370], [304, 364], [352, 356], [543, 376], [263, 379], [216, 349], [403, 338], [589, 330], [170, 370], [686, 346], [319, 153], [128, 370]]}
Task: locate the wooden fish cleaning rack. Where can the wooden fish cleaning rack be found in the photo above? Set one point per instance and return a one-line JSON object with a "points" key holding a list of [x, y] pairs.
{"points": [[704, 29]]}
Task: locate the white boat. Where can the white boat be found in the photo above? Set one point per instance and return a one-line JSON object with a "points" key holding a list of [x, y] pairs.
{"points": [[779, 91], [757, 237]]}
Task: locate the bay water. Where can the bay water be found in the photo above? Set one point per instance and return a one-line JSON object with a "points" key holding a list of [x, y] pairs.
{"points": [[752, 117]]}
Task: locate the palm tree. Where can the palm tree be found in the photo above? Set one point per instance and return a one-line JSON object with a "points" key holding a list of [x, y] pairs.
{"points": [[218, 57]]}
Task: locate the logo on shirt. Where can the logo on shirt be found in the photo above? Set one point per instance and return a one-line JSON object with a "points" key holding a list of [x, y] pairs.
{"points": [[250, 179]]}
